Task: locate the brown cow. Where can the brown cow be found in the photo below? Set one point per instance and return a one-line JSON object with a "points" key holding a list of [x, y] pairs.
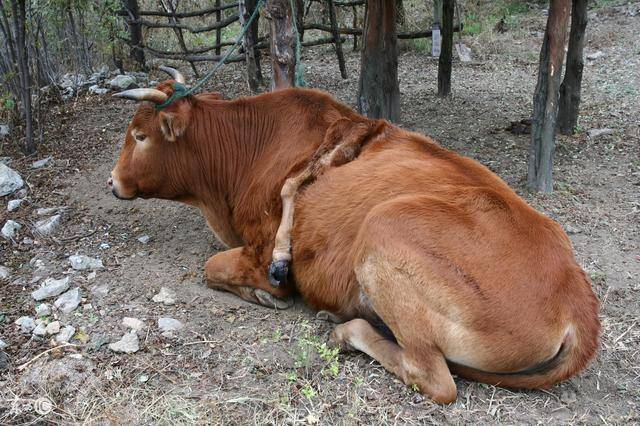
{"points": [[468, 278]]}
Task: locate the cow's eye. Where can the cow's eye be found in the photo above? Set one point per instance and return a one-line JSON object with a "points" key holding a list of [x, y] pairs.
{"points": [[140, 137]]}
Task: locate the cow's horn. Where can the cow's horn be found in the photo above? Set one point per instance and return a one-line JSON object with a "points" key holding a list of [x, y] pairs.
{"points": [[174, 73], [153, 95]]}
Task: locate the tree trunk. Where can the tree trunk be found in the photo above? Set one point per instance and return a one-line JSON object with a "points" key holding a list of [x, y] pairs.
{"points": [[218, 30], [336, 38], [378, 90], [170, 7], [252, 54], [300, 19], [18, 9], [283, 43], [135, 32], [400, 12], [569, 106], [446, 52], [545, 99]]}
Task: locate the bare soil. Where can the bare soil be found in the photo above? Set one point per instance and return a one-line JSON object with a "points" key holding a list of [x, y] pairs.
{"points": [[237, 363]]}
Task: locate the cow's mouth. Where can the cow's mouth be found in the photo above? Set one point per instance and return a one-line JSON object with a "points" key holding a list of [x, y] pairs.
{"points": [[118, 196]]}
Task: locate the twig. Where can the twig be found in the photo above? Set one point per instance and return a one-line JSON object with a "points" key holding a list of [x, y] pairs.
{"points": [[623, 334], [26, 364]]}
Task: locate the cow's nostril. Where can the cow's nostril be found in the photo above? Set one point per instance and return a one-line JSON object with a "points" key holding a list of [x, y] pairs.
{"points": [[110, 182]]}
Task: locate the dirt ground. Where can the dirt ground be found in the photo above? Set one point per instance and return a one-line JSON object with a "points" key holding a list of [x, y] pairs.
{"points": [[237, 363]]}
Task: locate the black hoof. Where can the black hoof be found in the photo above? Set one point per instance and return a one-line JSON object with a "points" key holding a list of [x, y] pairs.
{"points": [[278, 272]]}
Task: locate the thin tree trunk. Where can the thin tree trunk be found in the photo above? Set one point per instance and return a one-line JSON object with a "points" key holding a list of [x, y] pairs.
{"points": [[170, 7], [446, 52], [283, 43], [252, 54], [569, 106], [135, 32], [378, 89], [545, 99], [355, 25], [18, 8], [218, 30], [300, 19], [336, 38]]}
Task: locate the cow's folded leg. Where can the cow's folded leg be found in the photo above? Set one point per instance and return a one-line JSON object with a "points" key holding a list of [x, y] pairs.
{"points": [[235, 272]]}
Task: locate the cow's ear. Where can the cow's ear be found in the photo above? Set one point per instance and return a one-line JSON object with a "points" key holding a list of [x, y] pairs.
{"points": [[174, 123]]}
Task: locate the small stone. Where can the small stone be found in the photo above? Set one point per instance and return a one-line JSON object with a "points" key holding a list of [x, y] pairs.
{"points": [[46, 211], [41, 163], [3, 344], [82, 262], [123, 82], [166, 296], [595, 55], [26, 324], [14, 205], [133, 323], [568, 396], [4, 130], [53, 328], [143, 378], [168, 325], [97, 90], [48, 226], [100, 290], [69, 301], [571, 230], [5, 273], [40, 329], [144, 239], [104, 246], [92, 275], [596, 133], [51, 288], [10, 180], [65, 334], [42, 310], [10, 229], [128, 344]]}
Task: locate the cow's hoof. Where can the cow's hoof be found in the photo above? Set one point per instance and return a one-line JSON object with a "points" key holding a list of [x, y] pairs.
{"points": [[278, 272], [328, 316], [267, 299]]}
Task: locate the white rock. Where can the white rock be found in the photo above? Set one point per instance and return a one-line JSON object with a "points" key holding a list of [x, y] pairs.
{"points": [[128, 344], [464, 52], [41, 163], [169, 325], [10, 229], [48, 226], [596, 133], [82, 262], [69, 301], [144, 239], [4, 130], [40, 329], [5, 273], [104, 246], [10, 180], [97, 90], [26, 324], [165, 296], [3, 344], [100, 290], [595, 55], [46, 211], [133, 323], [14, 205], [123, 82], [65, 334], [51, 288], [53, 328], [42, 310]]}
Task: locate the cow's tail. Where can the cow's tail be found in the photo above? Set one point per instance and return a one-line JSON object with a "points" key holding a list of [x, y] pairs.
{"points": [[578, 347]]}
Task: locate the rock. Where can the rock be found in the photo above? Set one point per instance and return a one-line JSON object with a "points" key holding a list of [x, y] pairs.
{"points": [[100, 290], [48, 226], [133, 323], [104, 246], [3, 344], [128, 344], [53, 328], [123, 82], [69, 301], [97, 90], [42, 310], [14, 205], [40, 329], [4, 130], [10, 180], [26, 324], [41, 163], [51, 288], [168, 325], [464, 52], [65, 334], [67, 93], [5, 273], [596, 133], [46, 211], [144, 239], [82, 262], [165, 296], [72, 81], [595, 55], [10, 229], [571, 230]]}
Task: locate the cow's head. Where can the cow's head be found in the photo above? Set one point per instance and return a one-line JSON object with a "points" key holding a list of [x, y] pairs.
{"points": [[152, 157]]}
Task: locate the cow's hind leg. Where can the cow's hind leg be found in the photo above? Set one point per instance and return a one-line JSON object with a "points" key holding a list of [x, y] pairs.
{"points": [[427, 369], [235, 272]]}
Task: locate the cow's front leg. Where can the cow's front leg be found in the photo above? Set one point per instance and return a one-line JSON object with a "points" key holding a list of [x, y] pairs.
{"points": [[237, 273]]}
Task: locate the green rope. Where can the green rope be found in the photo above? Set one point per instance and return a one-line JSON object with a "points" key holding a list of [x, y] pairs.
{"points": [[181, 91]]}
